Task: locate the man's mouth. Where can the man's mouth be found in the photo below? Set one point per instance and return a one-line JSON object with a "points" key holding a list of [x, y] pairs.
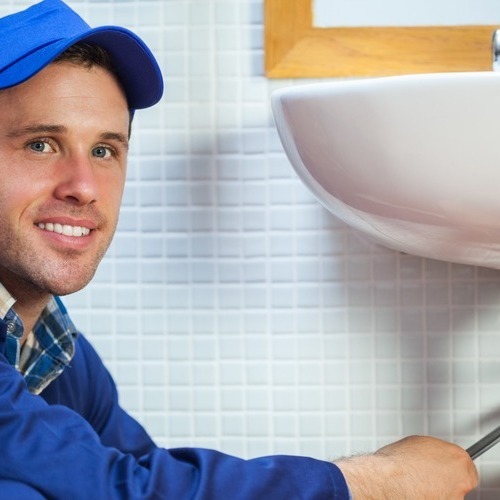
{"points": [[64, 229]]}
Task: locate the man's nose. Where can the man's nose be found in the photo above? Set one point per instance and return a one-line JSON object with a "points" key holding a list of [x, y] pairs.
{"points": [[77, 181]]}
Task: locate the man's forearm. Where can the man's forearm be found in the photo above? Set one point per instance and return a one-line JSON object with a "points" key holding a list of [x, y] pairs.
{"points": [[411, 469]]}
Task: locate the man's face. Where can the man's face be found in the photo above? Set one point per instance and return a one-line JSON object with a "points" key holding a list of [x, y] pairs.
{"points": [[63, 150]]}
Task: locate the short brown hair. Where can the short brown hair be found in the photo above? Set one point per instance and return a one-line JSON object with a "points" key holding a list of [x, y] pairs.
{"points": [[87, 55]]}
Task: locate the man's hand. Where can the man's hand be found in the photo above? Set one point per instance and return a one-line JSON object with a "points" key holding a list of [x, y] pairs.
{"points": [[414, 468]]}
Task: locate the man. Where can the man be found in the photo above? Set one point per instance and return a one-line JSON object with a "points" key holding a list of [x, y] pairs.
{"points": [[68, 94]]}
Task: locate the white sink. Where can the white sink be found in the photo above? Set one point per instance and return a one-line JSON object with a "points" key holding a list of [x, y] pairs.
{"points": [[413, 161]]}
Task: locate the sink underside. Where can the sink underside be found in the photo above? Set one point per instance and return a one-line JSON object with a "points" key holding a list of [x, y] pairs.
{"points": [[413, 161]]}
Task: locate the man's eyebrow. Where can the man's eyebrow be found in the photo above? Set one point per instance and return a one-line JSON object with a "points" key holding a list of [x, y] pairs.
{"points": [[115, 136], [39, 128]]}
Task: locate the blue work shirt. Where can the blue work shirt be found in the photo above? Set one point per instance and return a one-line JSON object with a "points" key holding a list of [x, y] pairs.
{"points": [[75, 441]]}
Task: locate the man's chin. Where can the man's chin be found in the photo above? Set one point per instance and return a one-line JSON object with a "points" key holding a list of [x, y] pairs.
{"points": [[61, 285], [35, 276], [63, 291], [67, 288]]}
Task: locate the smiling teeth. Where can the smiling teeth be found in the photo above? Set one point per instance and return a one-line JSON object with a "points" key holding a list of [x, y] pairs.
{"points": [[65, 229]]}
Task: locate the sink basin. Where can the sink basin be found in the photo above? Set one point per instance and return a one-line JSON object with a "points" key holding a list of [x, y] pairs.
{"points": [[413, 161]]}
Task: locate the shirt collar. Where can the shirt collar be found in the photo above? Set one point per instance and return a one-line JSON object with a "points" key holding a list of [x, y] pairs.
{"points": [[51, 348], [54, 308], [6, 301], [63, 333], [54, 330]]}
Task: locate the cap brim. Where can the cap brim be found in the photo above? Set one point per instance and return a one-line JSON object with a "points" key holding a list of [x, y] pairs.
{"points": [[134, 63]]}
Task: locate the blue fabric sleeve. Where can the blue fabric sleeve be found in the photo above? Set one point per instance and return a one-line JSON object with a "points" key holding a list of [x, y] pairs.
{"points": [[87, 387], [10, 490], [51, 450]]}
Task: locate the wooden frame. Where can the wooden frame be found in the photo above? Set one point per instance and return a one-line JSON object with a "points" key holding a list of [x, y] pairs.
{"points": [[296, 49]]}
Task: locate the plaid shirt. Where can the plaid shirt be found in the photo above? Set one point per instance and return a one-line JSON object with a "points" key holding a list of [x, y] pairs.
{"points": [[48, 349]]}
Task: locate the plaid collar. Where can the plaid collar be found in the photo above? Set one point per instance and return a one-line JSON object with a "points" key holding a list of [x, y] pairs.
{"points": [[6, 301], [48, 350]]}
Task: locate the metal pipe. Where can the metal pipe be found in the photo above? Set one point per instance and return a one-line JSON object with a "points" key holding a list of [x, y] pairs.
{"points": [[495, 49], [484, 444]]}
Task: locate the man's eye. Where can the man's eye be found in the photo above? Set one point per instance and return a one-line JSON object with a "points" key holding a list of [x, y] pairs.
{"points": [[102, 152], [40, 147]]}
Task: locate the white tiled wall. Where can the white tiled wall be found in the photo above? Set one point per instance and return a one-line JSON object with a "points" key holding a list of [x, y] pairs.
{"points": [[234, 312]]}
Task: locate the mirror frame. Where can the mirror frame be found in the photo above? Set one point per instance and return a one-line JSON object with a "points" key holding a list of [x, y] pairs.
{"points": [[294, 48]]}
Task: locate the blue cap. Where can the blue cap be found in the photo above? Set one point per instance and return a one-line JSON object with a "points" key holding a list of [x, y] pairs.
{"points": [[32, 38]]}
